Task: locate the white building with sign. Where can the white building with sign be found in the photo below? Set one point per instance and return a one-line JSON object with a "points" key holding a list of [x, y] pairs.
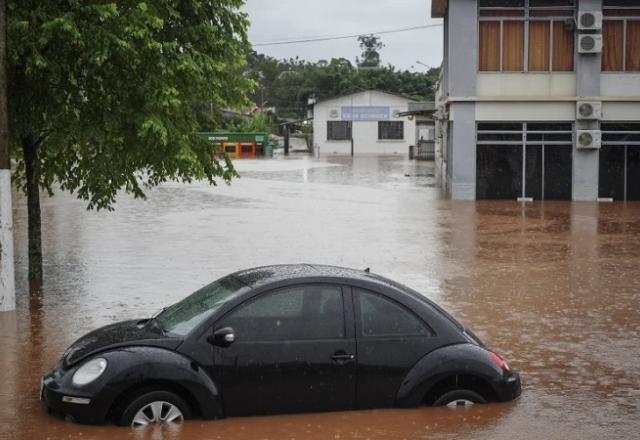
{"points": [[366, 122]]}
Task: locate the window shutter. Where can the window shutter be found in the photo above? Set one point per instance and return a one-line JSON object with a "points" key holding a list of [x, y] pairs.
{"points": [[612, 37], [539, 35], [513, 46], [489, 46]]}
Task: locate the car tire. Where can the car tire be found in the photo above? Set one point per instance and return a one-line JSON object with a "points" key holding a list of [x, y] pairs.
{"points": [[459, 398], [165, 401]]}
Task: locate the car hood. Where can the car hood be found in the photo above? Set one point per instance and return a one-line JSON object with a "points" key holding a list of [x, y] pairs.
{"points": [[120, 334]]}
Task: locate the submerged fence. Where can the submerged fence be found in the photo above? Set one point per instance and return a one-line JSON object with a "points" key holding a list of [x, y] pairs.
{"points": [[425, 150]]}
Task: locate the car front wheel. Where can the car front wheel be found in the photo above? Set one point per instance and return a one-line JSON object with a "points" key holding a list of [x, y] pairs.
{"points": [[457, 398], [154, 407]]}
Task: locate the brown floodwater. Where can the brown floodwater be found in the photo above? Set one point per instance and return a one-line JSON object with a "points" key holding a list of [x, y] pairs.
{"points": [[554, 287]]}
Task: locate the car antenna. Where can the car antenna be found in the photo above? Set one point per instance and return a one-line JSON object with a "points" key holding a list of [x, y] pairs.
{"points": [[367, 270]]}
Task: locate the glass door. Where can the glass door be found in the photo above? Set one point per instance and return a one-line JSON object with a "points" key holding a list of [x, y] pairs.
{"points": [[499, 172], [611, 173], [633, 173], [619, 172], [557, 172], [534, 172], [524, 161]]}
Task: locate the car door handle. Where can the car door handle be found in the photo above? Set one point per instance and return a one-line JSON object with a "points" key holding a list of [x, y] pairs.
{"points": [[342, 357]]}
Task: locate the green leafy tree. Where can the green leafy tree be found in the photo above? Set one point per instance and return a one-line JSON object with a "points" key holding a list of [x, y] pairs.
{"points": [[104, 96], [371, 46], [288, 84], [257, 123]]}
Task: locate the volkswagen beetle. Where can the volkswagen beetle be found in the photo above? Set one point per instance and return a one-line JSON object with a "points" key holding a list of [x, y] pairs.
{"points": [[278, 339]]}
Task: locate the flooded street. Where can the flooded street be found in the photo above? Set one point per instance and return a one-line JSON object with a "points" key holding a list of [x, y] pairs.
{"points": [[554, 287]]}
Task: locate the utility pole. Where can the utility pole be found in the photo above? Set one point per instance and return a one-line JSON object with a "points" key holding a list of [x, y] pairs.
{"points": [[351, 136], [7, 281], [286, 139]]}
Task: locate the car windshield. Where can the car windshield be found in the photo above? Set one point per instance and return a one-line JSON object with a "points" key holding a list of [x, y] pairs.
{"points": [[182, 317]]}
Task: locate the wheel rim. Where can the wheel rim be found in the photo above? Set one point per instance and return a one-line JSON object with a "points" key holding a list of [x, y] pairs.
{"points": [[157, 412], [460, 402]]}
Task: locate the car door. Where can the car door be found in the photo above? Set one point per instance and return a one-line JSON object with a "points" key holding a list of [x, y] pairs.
{"points": [[292, 353], [390, 340]]}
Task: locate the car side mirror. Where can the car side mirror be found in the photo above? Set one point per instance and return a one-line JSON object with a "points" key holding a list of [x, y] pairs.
{"points": [[223, 337]]}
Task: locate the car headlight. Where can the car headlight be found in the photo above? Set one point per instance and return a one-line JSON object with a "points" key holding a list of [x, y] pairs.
{"points": [[89, 372]]}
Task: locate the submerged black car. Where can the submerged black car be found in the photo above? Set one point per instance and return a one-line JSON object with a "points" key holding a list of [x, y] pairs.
{"points": [[278, 339]]}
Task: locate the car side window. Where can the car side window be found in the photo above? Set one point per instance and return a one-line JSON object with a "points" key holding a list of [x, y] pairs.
{"points": [[380, 316], [292, 313]]}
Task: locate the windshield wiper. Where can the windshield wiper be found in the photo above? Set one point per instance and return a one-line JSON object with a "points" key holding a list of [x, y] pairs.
{"points": [[159, 312], [154, 322]]}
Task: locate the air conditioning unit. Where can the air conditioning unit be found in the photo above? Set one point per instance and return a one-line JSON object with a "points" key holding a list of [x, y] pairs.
{"points": [[588, 110], [588, 139], [589, 20], [589, 43]]}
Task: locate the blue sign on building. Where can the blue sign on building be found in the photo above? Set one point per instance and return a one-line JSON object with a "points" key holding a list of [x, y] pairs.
{"points": [[365, 113]]}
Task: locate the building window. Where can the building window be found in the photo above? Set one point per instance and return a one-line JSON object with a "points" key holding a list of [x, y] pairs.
{"points": [[524, 160], [621, 36], [526, 35], [619, 168], [338, 130], [390, 130]]}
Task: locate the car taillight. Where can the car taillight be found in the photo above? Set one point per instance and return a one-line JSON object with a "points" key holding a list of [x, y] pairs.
{"points": [[500, 363]]}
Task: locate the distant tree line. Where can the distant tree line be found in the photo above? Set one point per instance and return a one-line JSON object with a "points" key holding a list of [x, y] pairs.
{"points": [[288, 84]]}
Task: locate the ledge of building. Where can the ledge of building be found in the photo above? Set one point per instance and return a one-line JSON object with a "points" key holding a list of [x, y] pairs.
{"points": [[424, 108], [451, 99]]}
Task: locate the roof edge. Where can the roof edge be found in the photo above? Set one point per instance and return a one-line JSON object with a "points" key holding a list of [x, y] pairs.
{"points": [[408, 98]]}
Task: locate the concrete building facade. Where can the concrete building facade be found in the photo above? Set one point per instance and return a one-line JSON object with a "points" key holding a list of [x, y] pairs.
{"points": [[366, 122], [539, 99]]}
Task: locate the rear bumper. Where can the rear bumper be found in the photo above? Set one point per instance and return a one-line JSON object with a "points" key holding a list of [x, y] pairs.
{"points": [[508, 387]]}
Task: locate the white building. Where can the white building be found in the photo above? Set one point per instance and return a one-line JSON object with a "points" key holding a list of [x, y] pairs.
{"points": [[366, 122]]}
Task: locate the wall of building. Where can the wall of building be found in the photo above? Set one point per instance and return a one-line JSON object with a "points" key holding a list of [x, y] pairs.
{"points": [[586, 162], [462, 38], [524, 85], [462, 160], [463, 47], [621, 111], [466, 96], [364, 133], [619, 84], [525, 111]]}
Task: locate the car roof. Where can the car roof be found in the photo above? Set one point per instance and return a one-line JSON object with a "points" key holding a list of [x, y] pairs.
{"points": [[265, 275], [260, 276]]}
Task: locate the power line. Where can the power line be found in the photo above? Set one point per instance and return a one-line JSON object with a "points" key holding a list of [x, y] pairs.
{"points": [[342, 37]]}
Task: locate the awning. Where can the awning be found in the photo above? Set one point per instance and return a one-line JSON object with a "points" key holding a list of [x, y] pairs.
{"points": [[426, 109]]}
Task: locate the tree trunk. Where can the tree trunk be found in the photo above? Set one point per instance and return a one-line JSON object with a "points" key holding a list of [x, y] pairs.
{"points": [[32, 174], [7, 284]]}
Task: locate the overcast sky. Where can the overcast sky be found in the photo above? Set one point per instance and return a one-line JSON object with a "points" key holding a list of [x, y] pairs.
{"points": [[277, 20]]}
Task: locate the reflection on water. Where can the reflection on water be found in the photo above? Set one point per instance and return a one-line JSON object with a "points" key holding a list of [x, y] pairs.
{"points": [[552, 287], [390, 171]]}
